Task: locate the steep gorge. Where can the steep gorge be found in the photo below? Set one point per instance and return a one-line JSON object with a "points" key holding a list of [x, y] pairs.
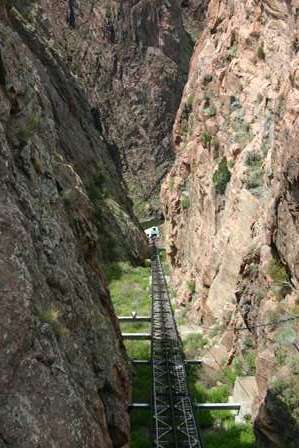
{"points": [[231, 200], [88, 96]]}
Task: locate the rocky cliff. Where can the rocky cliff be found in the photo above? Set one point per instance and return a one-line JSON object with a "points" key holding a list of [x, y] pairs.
{"points": [[231, 199], [63, 210], [132, 59]]}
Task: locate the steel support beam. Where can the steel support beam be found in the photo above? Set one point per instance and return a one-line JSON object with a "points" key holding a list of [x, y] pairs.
{"points": [[132, 319], [193, 362], [217, 406], [137, 336], [141, 362], [198, 406], [138, 406]]}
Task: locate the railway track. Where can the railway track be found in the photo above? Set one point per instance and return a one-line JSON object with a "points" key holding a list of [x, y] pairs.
{"points": [[174, 424]]}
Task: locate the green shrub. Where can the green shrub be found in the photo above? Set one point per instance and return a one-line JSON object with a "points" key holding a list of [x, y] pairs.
{"points": [[30, 128], [171, 184], [254, 177], [242, 130], [206, 139], [278, 272], [191, 286], [249, 362], [210, 111], [253, 159], [96, 189], [185, 202], [190, 100], [230, 435], [286, 390], [280, 277], [254, 180], [232, 52], [261, 53], [221, 177]]}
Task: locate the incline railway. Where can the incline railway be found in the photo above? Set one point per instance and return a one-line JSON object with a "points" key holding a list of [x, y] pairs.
{"points": [[174, 424]]}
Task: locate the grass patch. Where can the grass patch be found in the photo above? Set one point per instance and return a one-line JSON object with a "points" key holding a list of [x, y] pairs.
{"points": [[129, 288]]}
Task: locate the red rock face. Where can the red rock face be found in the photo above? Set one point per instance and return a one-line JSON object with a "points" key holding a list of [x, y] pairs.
{"points": [[231, 216]]}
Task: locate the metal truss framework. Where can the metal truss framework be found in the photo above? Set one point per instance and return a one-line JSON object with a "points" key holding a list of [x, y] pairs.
{"points": [[174, 425]]}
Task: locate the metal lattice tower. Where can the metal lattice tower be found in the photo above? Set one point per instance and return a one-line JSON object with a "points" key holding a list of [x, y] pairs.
{"points": [[174, 425]]}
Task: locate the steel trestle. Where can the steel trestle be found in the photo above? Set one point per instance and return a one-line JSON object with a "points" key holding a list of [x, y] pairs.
{"points": [[174, 424]]}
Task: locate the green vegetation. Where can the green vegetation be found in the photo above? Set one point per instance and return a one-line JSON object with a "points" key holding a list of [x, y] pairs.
{"points": [[193, 345], [230, 435], [51, 316], [254, 179], [285, 391], [206, 139], [96, 189], [261, 53], [210, 110], [253, 159], [129, 287], [232, 53], [191, 286], [277, 272], [281, 282], [30, 128], [185, 202], [220, 430], [221, 177], [140, 420], [190, 100], [171, 184], [130, 292], [242, 129]]}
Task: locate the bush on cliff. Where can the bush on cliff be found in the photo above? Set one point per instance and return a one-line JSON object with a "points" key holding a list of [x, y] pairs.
{"points": [[221, 177]]}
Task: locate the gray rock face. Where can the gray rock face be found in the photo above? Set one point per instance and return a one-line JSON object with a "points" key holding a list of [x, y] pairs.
{"points": [[132, 59], [63, 375]]}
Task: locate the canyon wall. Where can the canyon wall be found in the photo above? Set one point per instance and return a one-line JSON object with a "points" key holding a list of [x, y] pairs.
{"points": [[132, 59], [63, 210], [231, 199]]}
